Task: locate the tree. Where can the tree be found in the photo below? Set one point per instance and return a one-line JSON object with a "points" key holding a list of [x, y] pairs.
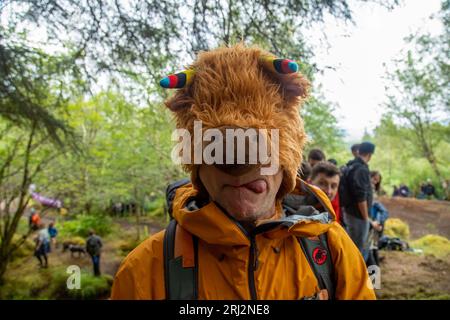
{"points": [[24, 155], [418, 91], [321, 125]]}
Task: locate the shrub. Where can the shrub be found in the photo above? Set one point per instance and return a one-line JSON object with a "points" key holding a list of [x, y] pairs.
{"points": [[396, 228], [25, 250], [432, 244], [81, 225], [91, 287], [156, 207]]}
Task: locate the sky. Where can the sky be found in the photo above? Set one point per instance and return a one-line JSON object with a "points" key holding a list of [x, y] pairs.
{"points": [[357, 54], [352, 61]]}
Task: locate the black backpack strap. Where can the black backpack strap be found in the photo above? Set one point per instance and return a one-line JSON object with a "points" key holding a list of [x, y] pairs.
{"points": [[180, 282], [318, 255], [170, 193]]}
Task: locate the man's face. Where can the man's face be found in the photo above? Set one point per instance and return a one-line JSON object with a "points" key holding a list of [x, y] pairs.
{"points": [[248, 197], [329, 185]]}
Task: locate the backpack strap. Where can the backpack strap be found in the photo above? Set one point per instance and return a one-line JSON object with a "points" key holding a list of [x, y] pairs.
{"points": [[318, 255], [180, 263]]}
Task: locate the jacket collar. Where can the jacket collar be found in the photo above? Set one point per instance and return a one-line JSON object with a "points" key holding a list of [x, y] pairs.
{"points": [[293, 216]]}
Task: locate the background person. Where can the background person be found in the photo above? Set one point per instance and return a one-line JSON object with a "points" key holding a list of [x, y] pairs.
{"points": [[93, 247], [326, 176], [359, 190], [315, 156]]}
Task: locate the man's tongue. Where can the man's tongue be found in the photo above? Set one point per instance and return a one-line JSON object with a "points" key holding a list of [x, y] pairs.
{"points": [[257, 186]]}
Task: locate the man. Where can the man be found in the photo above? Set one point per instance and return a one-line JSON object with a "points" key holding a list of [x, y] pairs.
{"points": [[326, 176], [359, 190], [315, 156], [35, 219], [53, 232], [42, 246], [430, 191], [355, 149], [93, 247], [233, 236]]}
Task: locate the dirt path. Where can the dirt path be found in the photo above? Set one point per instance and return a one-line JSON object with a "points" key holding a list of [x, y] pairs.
{"points": [[410, 276], [423, 216]]}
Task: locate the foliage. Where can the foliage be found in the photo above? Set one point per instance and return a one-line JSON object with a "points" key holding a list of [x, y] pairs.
{"points": [[52, 284], [80, 226], [405, 164], [396, 228], [321, 126], [432, 244], [418, 95]]}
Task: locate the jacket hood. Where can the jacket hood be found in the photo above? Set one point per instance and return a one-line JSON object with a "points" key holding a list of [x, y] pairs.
{"points": [[306, 212]]}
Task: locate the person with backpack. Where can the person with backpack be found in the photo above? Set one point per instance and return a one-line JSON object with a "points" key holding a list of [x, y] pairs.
{"points": [[378, 215], [42, 246], [93, 247], [35, 219], [234, 233], [53, 232], [356, 197]]}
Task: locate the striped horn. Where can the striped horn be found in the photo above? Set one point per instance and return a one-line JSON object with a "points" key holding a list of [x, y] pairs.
{"points": [[283, 66], [177, 80]]}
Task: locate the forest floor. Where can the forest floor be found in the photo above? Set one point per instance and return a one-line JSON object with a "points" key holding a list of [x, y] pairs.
{"points": [[404, 275]]}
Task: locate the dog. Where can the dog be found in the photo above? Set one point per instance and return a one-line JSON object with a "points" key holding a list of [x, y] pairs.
{"points": [[73, 248]]}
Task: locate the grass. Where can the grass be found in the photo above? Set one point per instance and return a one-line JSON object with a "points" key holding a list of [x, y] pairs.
{"points": [[51, 283], [396, 228], [432, 244]]}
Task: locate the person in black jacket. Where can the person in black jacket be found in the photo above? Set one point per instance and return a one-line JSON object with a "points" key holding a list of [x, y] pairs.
{"points": [[356, 211]]}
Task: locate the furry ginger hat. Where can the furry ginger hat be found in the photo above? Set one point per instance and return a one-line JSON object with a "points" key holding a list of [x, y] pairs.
{"points": [[243, 87]]}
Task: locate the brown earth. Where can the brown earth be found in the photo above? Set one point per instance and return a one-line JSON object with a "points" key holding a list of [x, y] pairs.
{"points": [[406, 275], [423, 216]]}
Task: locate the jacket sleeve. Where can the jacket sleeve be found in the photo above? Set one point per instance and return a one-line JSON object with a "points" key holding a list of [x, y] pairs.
{"points": [[141, 274], [351, 275], [360, 184]]}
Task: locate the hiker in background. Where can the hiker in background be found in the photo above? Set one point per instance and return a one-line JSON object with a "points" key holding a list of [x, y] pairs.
{"points": [[93, 247], [42, 246], [53, 232], [429, 190], [396, 192], [355, 149], [315, 156], [305, 171], [378, 215], [326, 176], [375, 179], [35, 219], [333, 161], [404, 191], [358, 198], [421, 193]]}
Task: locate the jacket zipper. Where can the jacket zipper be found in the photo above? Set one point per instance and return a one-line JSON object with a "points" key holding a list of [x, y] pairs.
{"points": [[252, 266], [253, 259]]}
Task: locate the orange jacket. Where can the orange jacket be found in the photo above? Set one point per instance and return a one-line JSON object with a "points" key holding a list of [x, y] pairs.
{"points": [[282, 271]]}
